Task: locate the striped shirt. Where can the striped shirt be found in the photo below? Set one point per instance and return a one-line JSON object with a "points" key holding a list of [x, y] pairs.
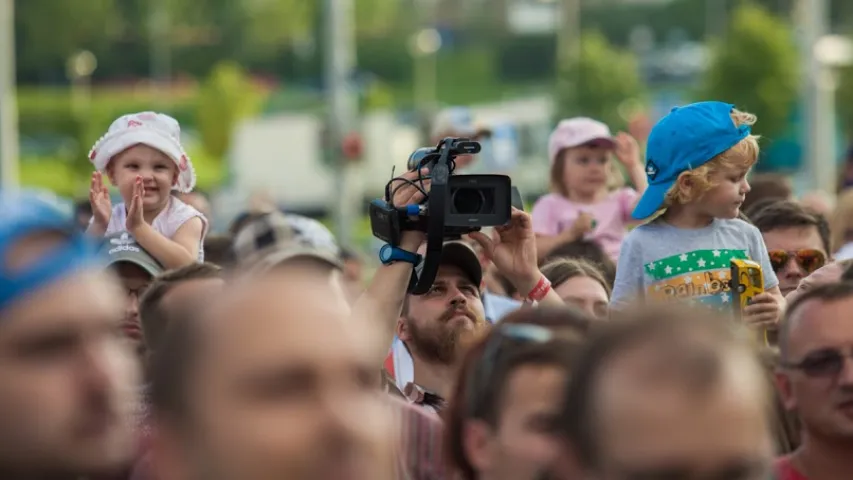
{"points": [[420, 454]]}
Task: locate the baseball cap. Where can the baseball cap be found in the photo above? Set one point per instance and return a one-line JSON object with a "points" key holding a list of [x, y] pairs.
{"points": [[25, 213], [157, 130], [686, 138], [577, 131], [460, 255], [272, 238], [122, 247], [458, 121]]}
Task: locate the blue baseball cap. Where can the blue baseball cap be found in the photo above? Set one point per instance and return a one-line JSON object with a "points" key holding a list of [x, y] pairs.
{"points": [[25, 213], [686, 138]]}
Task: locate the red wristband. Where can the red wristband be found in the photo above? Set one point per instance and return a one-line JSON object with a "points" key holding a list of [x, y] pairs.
{"points": [[540, 290]]}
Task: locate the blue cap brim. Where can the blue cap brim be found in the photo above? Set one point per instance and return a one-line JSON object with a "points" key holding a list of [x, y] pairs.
{"points": [[651, 201]]}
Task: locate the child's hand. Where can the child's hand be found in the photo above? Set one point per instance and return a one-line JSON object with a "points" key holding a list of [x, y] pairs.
{"points": [[763, 311], [582, 225], [134, 211], [627, 150], [99, 198]]}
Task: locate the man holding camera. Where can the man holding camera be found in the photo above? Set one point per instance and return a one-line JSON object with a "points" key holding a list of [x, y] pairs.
{"points": [[436, 326]]}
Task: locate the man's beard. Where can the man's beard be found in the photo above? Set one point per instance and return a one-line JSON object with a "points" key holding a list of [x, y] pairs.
{"points": [[441, 343]]}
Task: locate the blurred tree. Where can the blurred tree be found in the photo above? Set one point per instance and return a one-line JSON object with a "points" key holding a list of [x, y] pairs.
{"points": [[47, 32], [226, 97], [755, 67], [598, 82]]}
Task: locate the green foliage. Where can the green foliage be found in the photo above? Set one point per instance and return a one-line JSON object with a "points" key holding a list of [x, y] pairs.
{"points": [[598, 82], [226, 97], [46, 114], [48, 32], [755, 67]]}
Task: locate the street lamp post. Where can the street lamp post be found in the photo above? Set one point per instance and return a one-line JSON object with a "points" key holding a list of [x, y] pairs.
{"points": [[424, 47], [343, 111], [831, 53], [9, 175], [80, 68]]}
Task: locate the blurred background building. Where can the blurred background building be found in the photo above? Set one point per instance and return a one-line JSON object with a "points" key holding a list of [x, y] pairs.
{"points": [[312, 102]]}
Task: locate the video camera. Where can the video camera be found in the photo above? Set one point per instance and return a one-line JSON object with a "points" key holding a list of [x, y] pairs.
{"points": [[454, 206]]}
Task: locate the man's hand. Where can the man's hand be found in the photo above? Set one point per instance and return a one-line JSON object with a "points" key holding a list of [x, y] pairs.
{"points": [[763, 312], [406, 190], [512, 248]]}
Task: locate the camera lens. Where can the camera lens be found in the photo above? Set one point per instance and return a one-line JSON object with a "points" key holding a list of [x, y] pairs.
{"points": [[468, 201]]}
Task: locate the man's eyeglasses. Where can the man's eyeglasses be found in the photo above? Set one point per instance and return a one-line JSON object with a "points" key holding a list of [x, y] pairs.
{"points": [[825, 363], [808, 259], [502, 336]]}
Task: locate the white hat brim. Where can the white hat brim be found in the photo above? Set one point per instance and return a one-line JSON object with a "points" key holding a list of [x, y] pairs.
{"points": [[112, 144]]}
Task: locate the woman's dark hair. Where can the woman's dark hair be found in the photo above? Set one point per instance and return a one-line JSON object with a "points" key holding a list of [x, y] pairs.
{"points": [[569, 326], [560, 270], [589, 251]]}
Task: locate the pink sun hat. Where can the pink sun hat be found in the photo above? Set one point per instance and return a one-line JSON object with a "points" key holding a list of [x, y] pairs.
{"points": [[156, 130], [577, 131]]}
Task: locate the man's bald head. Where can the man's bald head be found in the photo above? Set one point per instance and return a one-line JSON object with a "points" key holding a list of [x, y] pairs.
{"points": [[799, 307], [655, 370]]}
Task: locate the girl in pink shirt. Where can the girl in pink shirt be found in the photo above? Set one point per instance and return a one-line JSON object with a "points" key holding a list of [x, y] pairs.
{"points": [[581, 205]]}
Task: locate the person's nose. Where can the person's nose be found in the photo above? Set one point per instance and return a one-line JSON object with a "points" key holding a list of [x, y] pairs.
{"points": [[744, 186], [792, 269], [131, 310], [457, 298], [95, 367], [845, 377]]}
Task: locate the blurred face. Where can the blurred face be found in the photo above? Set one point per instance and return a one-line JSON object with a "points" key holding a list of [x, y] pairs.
{"points": [[586, 294], [821, 396], [438, 322], [270, 401], [726, 197], [135, 281], [68, 380], [524, 446], [664, 431], [795, 252], [585, 169], [157, 171]]}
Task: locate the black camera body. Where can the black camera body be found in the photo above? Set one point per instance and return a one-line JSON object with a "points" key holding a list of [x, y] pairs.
{"points": [[454, 206]]}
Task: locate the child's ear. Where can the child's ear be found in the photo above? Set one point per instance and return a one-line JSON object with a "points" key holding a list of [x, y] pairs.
{"points": [[175, 179], [685, 183]]}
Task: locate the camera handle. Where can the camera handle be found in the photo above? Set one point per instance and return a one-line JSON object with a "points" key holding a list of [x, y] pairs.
{"points": [[436, 206]]}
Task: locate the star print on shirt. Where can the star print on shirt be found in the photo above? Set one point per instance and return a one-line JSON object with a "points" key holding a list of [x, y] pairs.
{"points": [[699, 275]]}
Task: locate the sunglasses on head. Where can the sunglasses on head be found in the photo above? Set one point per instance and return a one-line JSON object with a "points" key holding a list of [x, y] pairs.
{"points": [[808, 259], [501, 338], [825, 363]]}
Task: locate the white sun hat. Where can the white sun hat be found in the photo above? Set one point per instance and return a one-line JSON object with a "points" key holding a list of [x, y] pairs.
{"points": [[157, 130]]}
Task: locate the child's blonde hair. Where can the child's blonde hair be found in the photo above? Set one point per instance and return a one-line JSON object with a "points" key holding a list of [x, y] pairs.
{"points": [[743, 155]]}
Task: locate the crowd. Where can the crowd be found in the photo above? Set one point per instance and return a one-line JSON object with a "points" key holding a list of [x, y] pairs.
{"points": [[597, 337]]}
